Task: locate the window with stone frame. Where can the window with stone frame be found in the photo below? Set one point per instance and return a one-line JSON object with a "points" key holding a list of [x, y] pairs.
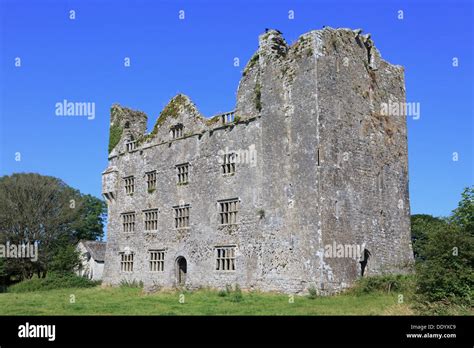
{"points": [[128, 222], [126, 262], [151, 219], [151, 181], [157, 260], [228, 165], [181, 216], [131, 145], [228, 210], [177, 131], [129, 183], [228, 117], [182, 171], [225, 258]]}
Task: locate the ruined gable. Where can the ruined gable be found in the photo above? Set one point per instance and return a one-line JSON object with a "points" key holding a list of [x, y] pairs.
{"points": [[125, 125], [179, 112]]}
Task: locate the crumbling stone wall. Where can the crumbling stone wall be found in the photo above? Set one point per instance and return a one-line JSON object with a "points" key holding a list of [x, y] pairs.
{"points": [[330, 168]]}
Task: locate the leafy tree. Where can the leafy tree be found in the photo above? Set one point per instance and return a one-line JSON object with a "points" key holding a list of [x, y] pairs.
{"points": [[65, 260], [446, 273], [90, 225], [463, 215], [43, 209], [421, 226]]}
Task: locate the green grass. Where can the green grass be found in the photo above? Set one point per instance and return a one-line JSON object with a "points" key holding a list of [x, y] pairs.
{"points": [[379, 295], [133, 301]]}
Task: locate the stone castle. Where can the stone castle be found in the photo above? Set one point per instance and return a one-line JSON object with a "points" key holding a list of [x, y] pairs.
{"points": [[307, 162]]}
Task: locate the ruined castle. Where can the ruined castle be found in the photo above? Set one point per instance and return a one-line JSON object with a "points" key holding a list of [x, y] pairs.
{"points": [[257, 196]]}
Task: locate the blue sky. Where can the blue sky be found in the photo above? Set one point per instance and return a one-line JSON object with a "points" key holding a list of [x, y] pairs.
{"points": [[83, 60]]}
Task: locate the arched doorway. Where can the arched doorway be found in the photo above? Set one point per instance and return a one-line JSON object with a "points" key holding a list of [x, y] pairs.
{"points": [[181, 270]]}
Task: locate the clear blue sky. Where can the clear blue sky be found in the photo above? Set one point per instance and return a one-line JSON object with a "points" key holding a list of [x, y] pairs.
{"points": [[82, 60]]}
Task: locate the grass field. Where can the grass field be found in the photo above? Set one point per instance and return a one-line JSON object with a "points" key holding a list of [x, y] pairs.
{"points": [[132, 301]]}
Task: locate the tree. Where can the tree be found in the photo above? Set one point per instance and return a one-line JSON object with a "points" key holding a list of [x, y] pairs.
{"points": [[447, 274], [421, 226], [463, 215], [65, 260], [90, 225], [447, 253], [43, 209]]}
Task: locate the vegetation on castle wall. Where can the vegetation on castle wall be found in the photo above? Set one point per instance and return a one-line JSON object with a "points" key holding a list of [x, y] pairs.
{"points": [[114, 136], [251, 63], [302, 44], [116, 130], [213, 120], [170, 110], [258, 97], [280, 47]]}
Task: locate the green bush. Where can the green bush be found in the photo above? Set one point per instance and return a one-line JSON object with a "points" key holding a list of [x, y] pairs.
{"points": [[447, 273], [445, 276], [52, 281], [384, 283], [312, 292]]}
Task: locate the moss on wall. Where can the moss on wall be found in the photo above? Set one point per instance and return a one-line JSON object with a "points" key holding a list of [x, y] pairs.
{"points": [[171, 110], [258, 97], [116, 128], [251, 63], [114, 136], [213, 120]]}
